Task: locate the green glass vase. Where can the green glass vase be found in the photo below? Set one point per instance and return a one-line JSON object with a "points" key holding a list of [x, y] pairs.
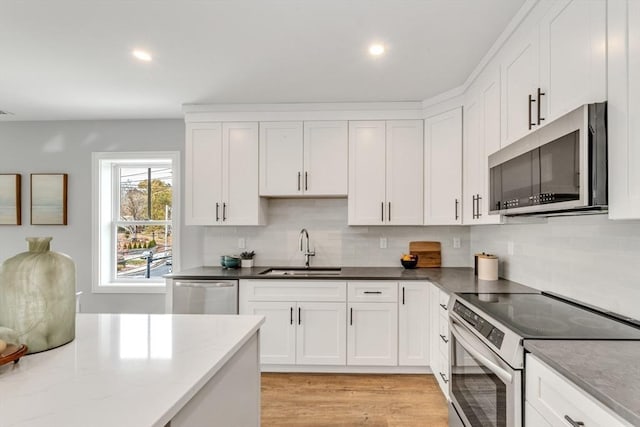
{"points": [[37, 296]]}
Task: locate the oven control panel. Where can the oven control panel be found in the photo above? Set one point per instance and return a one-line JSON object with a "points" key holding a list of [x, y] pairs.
{"points": [[486, 329]]}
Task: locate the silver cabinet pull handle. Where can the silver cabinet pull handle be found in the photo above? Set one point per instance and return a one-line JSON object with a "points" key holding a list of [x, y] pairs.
{"points": [[299, 316], [572, 422], [479, 213], [457, 203], [306, 181], [299, 181], [444, 378], [389, 211], [217, 210], [531, 101], [373, 292], [444, 307], [446, 341], [224, 212], [382, 211]]}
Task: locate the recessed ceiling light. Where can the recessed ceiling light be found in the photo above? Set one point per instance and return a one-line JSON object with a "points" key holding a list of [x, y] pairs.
{"points": [[376, 49], [142, 55]]}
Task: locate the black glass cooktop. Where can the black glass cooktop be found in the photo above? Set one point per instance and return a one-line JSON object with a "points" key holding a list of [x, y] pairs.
{"points": [[541, 316]]}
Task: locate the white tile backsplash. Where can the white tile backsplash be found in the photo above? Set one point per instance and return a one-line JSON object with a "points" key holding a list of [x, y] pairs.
{"points": [[335, 243], [589, 258]]}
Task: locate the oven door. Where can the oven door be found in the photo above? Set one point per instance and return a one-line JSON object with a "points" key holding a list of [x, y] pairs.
{"points": [[485, 391]]}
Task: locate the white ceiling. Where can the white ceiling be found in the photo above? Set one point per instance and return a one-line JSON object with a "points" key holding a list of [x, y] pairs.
{"points": [[67, 59]]}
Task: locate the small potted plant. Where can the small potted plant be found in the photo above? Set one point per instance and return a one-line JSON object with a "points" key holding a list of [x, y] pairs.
{"points": [[246, 258]]}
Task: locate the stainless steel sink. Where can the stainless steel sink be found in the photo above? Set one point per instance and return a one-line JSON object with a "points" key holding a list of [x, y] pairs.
{"points": [[319, 271]]}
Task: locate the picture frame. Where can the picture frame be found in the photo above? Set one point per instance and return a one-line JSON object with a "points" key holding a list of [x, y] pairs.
{"points": [[10, 199], [49, 198]]}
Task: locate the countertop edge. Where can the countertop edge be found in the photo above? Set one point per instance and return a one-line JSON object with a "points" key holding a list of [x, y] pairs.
{"points": [[619, 409]]}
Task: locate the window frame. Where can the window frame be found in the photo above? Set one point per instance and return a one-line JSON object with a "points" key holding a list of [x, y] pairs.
{"points": [[105, 212]]}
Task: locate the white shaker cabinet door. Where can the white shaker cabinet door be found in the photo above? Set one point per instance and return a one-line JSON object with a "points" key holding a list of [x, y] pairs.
{"points": [[443, 169], [573, 56], [241, 204], [326, 149], [281, 171], [624, 108], [404, 172], [278, 333], [413, 324], [321, 333], [372, 334], [203, 173], [472, 159], [366, 201], [519, 84]]}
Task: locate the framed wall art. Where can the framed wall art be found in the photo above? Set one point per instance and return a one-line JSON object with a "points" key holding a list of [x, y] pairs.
{"points": [[10, 201], [49, 199]]}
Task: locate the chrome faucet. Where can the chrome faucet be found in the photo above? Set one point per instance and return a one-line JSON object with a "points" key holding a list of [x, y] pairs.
{"points": [[304, 234]]}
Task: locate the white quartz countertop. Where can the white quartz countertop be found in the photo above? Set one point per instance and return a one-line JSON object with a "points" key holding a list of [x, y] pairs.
{"points": [[121, 370]]}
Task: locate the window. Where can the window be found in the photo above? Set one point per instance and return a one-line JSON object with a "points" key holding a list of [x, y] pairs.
{"points": [[135, 210]]}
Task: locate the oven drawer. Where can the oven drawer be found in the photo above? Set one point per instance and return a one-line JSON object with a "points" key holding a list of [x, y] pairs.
{"points": [[557, 400]]}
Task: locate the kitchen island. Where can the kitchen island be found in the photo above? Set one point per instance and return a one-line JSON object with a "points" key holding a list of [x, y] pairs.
{"points": [[140, 370]]}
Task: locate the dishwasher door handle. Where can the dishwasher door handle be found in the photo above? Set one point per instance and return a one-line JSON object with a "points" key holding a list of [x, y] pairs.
{"points": [[203, 284]]}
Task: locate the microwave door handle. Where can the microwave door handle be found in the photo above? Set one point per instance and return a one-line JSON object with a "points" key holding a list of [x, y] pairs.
{"points": [[461, 336]]}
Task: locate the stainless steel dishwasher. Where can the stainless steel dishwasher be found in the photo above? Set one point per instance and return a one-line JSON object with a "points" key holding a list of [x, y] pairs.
{"points": [[205, 296]]}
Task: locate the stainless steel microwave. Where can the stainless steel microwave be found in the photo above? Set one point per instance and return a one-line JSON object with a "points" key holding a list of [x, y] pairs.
{"points": [[560, 169]]}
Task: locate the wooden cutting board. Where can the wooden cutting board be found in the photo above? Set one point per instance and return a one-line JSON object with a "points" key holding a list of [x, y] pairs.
{"points": [[428, 253]]}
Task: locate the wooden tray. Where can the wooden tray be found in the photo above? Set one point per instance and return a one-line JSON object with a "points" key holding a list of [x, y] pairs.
{"points": [[12, 353], [428, 253]]}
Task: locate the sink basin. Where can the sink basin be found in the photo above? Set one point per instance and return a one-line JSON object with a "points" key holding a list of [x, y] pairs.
{"points": [[319, 271]]}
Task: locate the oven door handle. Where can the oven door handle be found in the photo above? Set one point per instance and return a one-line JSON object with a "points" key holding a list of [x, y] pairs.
{"points": [[465, 337]]}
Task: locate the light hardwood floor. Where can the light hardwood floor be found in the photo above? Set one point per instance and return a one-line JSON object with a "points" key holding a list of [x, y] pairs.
{"points": [[352, 400]]}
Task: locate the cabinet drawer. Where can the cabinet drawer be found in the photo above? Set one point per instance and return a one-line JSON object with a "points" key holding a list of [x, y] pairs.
{"points": [[293, 290], [372, 291], [443, 338], [444, 302], [554, 398]]}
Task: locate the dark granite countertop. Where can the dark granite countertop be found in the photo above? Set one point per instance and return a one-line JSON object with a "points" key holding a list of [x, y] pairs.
{"points": [[449, 279], [607, 370]]}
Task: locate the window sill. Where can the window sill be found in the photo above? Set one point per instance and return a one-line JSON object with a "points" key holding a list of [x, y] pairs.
{"points": [[129, 288]]}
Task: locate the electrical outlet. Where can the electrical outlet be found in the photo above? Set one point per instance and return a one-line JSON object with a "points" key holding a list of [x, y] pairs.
{"points": [[383, 243], [241, 243], [510, 247], [456, 243]]}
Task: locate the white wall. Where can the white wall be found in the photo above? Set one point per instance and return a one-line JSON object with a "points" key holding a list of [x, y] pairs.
{"points": [[335, 243], [66, 147], [589, 258]]}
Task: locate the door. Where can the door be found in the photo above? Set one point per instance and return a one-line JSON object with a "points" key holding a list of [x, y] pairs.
{"points": [[366, 201], [326, 148], [321, 333], [519, 81], [278, 333], [413, 324], [404, 172], [280, 158], [372, 334], [472, 159], [240, 200], [203, 173], [443, 169], [624, 108], [572, 56]]}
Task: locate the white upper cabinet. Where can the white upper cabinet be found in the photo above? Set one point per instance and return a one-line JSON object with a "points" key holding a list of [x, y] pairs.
{"points": [[481, 138], [221, 178], [554, 68], [519, 88], [281, 158], [443, 168], [325, 158], [573, 49], [386, 172], [624, 108], [307, 158]]}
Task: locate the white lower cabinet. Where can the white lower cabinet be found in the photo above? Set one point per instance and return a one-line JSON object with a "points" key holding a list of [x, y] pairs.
{"points": [[439, 337], [321, 333], [278, 333], [413, 324], [372, 338], [553, 400]]}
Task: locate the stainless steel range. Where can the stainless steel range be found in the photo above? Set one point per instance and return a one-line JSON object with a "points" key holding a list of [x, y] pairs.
{"points": [[487, 353]]}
